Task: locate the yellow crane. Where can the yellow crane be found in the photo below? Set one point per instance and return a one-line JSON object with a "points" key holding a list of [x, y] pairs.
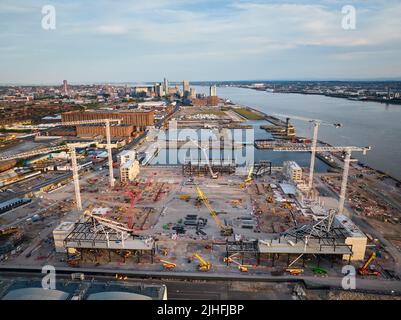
{"points": [[224, 230], [241, 267], [203, 265], [248, 179]]}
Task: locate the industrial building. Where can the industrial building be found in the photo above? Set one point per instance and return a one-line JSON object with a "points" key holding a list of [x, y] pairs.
{"points": [[117, 131], [129, 170], [138, 119], [292, 171]]}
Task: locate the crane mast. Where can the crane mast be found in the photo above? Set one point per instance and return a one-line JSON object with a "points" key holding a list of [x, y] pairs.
{"points": [[108, 139], [347, 161]]}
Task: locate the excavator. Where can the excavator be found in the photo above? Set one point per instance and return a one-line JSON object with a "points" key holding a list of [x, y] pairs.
{"points": [[225, 231], [364, 270], [203, 265], [241, 267]]}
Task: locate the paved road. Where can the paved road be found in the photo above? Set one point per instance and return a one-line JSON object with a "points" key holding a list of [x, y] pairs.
{"points": [[366, 284]]}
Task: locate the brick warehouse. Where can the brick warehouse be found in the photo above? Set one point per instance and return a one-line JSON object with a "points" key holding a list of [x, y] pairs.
{"points": [[131, 121], [140, 120], [122, 131]]}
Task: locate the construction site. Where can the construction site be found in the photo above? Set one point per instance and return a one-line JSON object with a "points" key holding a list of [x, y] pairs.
{"points": [[205, 214]]}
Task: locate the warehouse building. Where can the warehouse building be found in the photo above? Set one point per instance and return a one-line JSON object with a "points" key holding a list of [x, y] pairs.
{"points": [[138, 119]]}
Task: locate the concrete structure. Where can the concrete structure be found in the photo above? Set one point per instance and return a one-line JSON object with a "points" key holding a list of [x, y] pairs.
{"points": [[213, 91], [65, 87], [126, 155], [185, 87], [165, 86], [60, 233], [355, 237], [129, 170], [292, 171]]}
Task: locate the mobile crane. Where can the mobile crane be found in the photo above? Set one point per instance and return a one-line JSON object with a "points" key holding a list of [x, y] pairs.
{"points": [[203, 265], [224, 230], [241, 267]]}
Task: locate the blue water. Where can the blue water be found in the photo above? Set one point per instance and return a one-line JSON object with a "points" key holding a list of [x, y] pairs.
{"points": [[364, 123]]}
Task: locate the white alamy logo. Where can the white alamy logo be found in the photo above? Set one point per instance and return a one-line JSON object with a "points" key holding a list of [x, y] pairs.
{"points": [[49, 17], [349, 17]]}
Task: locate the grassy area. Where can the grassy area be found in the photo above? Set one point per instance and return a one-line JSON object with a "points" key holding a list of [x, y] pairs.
{"points": [[4, 130], [218, 113], [248, 114]]}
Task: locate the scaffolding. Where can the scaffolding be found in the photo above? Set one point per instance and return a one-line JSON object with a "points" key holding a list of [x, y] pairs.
{"points": [[190, 168]]}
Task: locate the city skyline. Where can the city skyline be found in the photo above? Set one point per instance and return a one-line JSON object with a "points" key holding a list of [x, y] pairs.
{"points": [[199, 41]]}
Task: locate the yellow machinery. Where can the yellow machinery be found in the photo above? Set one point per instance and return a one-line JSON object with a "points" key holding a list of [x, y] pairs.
{"points": [[248, 179], [203, 265], [241, 267], [364, 270], [185, 197], [295, 271], [168, 265], [224, 230]]}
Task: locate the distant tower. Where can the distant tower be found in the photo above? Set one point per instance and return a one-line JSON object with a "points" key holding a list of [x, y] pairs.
{"points": [[213, 91], [65, 86], [165, 86], [185, 87], [192, 93]]}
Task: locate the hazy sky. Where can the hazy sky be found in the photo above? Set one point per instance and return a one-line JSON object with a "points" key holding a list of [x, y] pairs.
{"points": [[138, 40]]}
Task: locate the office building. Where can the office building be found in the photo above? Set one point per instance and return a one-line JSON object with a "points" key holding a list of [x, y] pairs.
{"points": [[213, 91]]}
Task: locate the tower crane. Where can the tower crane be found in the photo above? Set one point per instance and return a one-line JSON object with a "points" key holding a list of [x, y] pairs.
{"points": [[316, 123], [224, 230], [347, 160], [212, 174], [108, 138], [74, 164]]}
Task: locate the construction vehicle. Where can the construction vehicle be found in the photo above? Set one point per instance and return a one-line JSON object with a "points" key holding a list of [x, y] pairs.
{"points": [[294, 271], [318, 270], [364, 270], [203, 265], [185, 197], [286, 205], [248, 179], [241, 267], [168, 264], [224, 230]]}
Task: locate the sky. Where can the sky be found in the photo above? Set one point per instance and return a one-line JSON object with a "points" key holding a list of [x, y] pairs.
{"points": [[97, 41]]}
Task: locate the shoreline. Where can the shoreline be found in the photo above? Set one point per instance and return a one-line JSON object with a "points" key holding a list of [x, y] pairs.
{"points": [[327, 144], [339, 96]]}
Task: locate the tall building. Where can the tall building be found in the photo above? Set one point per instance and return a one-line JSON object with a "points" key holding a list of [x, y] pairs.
{"points": [[65, 87], [165, 86], [213, 91], [158, 89], [185, 87], [192, 93]]}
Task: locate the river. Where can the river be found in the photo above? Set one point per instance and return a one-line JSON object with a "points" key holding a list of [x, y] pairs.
{"points": [[364, 123]]}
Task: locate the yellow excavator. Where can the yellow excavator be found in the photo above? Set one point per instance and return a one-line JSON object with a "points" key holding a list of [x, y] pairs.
{"points": [[224, 230], [203, 265]]}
